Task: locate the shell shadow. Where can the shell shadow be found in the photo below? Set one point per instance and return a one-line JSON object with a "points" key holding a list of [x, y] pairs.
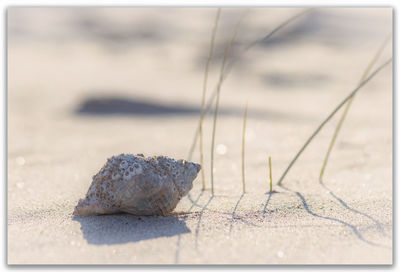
{"points": [[126, 228]]}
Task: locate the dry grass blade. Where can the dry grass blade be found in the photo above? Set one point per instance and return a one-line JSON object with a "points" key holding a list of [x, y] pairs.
{"points": [[230, 66], [221, 76], [344, 114], [203, 98], [330, 116], [243, 149]]}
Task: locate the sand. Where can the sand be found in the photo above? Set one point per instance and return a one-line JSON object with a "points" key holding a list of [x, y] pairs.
{"points": [[86, 84]]}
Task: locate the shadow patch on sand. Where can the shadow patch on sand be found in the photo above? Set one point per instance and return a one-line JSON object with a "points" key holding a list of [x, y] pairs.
{"points": [[117, 106], [305, 27], [97, 28], [126, 228], [293, 80], [327, 27], [127, 106], [122, 36]]}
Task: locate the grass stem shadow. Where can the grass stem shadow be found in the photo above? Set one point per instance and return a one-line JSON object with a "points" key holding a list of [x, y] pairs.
{"points": [[344, 204], [233, 213], [199, 221], [270, 193], [194, 202], [352, 227], [178, 242]]}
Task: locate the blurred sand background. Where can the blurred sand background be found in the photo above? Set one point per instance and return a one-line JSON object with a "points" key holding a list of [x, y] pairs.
{"points": [[88, 83]]}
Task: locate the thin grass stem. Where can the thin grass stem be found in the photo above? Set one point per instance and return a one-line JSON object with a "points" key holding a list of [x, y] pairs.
{"points": [[348, 105], [330, 116], [229, 68], [203, 97], [243, 149], [226, 54]]}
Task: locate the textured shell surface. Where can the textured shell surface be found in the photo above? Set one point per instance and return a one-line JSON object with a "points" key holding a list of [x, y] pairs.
{"points": [[138, 185]]}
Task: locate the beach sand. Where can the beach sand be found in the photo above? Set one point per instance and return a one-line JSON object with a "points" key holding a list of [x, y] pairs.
{"points": [[85, 84]]}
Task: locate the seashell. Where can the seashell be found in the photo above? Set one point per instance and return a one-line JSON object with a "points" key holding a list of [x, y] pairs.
{"points": [[138, 185]]}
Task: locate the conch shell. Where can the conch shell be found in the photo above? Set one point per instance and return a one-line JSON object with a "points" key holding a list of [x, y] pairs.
{"points": [[138, 185]]}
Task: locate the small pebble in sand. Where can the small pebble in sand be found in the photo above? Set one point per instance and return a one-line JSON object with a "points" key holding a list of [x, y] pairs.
{"points": [[138, 185]]}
